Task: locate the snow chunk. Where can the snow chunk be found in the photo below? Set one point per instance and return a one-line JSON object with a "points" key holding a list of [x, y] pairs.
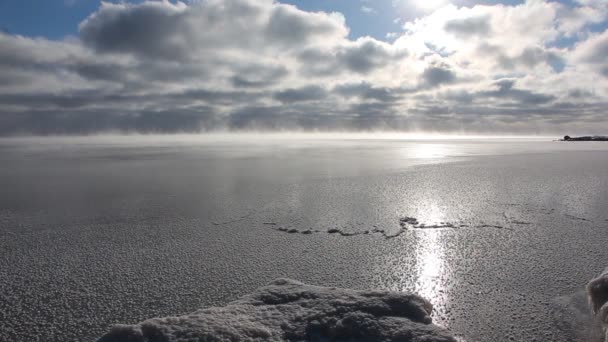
{"points": [[287, 310], [597, 291]]}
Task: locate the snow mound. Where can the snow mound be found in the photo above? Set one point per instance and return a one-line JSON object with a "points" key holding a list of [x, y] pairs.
{"points": [[597, 291], [287, 310]]}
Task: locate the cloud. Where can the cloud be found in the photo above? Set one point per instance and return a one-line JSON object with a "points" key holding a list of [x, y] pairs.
{"points": [[368, 10], [594, 50], [505, 89], [573, 20], [436, 75], [366, 54], [258, 76], [161, 66], [176, 31], [291, 27], [367, 91], [308, 93], [362, 56], [469, 26], [530, 57], [152, 29]]}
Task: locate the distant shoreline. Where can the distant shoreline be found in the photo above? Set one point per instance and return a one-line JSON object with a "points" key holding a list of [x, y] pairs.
{"points": [[585, 138]]}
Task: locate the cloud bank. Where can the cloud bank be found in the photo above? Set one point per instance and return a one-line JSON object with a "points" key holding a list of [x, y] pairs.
{"points": [[161, 66]]}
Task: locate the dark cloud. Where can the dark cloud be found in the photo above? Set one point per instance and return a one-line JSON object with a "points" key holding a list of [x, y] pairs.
{"points": [[101, 71], [479, 26], [366, 91], [506, 90], [317, 62], [580, 94], [318, 117], [362, 57], [365, 55], [488, 118], [90, 122], [151, 29], [437, 75], [375, 110], [289, 26], [161, 29], [500, 93], [461, 97], [597, 49], [86, 99], [257, 76], [593, 52], [530, 58], [308, 93], [298, 116], [487, 49], [15, 77], [533, 56], [50, 100]]}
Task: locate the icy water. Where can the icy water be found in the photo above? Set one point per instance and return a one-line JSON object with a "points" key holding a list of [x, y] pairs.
{"points": [[501, 235]]}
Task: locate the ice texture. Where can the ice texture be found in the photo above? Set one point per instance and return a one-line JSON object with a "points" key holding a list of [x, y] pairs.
{"points": [[93, 234], [288, 310]]}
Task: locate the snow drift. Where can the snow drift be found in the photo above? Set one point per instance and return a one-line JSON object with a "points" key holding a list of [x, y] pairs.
{"points": [[288, 310], [597, 290]]}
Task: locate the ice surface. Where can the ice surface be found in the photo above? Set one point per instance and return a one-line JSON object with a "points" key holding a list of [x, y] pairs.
{"points": [[93, 234], [288, 310]]}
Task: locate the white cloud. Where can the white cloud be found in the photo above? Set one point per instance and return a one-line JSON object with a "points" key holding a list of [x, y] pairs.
{"points": [[392, 35], [589, 58], [368, 10], [261, 64]]}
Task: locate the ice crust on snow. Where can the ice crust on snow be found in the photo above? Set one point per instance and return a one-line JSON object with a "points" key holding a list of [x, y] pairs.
{"points": [[287, 310]]}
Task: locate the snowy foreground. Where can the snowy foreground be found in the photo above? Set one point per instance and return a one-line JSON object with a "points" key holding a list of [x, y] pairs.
{"points": [[290, 310]]}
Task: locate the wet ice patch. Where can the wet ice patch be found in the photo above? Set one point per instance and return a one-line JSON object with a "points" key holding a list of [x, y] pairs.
{"points": [[288, 310]]}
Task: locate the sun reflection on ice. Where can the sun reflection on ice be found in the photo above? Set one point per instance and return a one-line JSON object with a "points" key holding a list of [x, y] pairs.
{"points": [[426, 150], [431, 266], [420, 262], [432, 271]]}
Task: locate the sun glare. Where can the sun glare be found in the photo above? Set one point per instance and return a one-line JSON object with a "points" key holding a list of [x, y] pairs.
{"points": [[428, 151], [433, 274]]}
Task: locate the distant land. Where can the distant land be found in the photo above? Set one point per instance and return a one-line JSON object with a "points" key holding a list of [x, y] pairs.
{"points": [[586, 138]]}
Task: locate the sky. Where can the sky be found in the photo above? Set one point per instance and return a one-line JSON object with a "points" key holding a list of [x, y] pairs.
{"points": [[445, 66]]}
